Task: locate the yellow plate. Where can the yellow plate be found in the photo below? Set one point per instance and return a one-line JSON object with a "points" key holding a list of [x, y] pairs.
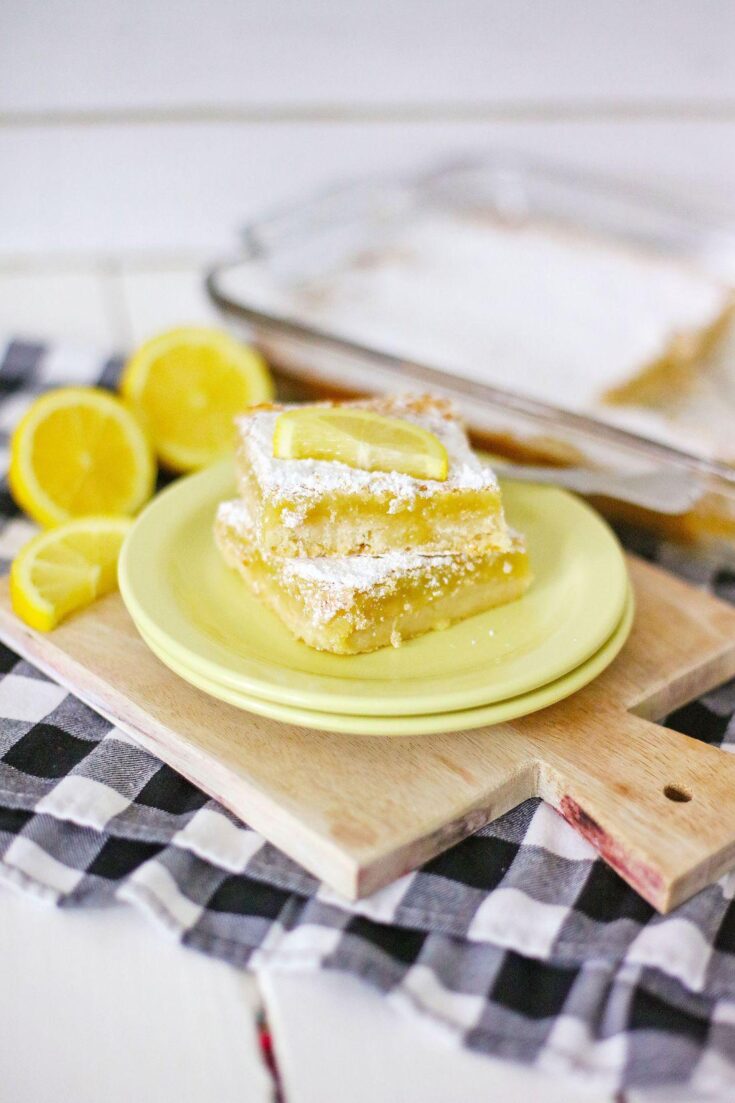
{"points": [[199, 613], [462, 720]]}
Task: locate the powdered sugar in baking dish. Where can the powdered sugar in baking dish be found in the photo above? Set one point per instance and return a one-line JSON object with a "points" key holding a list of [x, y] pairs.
{"points": [[557, 315]]}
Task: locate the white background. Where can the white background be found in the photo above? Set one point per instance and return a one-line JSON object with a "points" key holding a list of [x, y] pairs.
{"points": [[136, 138]]}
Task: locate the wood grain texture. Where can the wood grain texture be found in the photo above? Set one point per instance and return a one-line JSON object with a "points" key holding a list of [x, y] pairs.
{"points": [[358, 812], [67, 55], [140, 191]]}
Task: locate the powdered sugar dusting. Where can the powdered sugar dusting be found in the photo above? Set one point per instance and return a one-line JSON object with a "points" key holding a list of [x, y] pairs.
{"points": [[353, 572], [334, 582], [304, 480]]}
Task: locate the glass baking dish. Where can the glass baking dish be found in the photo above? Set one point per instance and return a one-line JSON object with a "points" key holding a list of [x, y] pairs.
{"points": [[291, 250]]}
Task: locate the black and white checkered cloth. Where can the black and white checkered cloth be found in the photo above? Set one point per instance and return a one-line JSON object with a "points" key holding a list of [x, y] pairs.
{"points": [[519, 941]]}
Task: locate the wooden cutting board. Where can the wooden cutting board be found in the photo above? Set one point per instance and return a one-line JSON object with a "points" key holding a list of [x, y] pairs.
{"points": [[359, 811]]}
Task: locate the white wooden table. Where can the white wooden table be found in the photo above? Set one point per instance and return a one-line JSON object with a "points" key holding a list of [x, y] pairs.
{"points": [[136, 138]]}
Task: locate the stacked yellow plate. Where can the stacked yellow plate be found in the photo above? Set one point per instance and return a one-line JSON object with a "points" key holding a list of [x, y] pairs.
{"points": [[206, 626]]}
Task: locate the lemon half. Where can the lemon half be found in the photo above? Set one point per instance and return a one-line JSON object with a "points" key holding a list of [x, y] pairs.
{"points": [[188, 385], [79, 451]]}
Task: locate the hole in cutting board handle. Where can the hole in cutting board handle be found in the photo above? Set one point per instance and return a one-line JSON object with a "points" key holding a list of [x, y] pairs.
{"points": [[676, 793]]}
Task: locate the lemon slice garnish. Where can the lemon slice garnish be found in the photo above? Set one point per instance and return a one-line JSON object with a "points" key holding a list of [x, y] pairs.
{"points": [[78, 451], [66, 568], [188, 385], [362, 439]]}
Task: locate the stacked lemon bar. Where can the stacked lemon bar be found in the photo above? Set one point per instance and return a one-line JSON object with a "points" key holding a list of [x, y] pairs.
{"points": [[362, 524]]}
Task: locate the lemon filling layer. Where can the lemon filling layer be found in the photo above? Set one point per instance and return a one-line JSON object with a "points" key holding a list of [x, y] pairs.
{"points": [[352, 604]]}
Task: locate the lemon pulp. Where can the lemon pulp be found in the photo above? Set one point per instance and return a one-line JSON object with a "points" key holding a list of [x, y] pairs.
{"points": [[362, 439], [66, 568], [77, 451], [189, 384]]}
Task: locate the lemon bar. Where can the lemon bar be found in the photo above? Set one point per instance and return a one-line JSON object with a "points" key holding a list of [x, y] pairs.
{"points": [[353, 604], [312, 508]]}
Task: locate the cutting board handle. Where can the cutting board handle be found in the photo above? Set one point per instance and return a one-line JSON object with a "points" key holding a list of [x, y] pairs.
{"points": [[659, 806]]}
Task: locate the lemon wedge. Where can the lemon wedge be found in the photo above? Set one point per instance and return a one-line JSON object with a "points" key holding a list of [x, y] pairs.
{"points": [[79, 451], [360, 438], [188, 385], [66, 568]]}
